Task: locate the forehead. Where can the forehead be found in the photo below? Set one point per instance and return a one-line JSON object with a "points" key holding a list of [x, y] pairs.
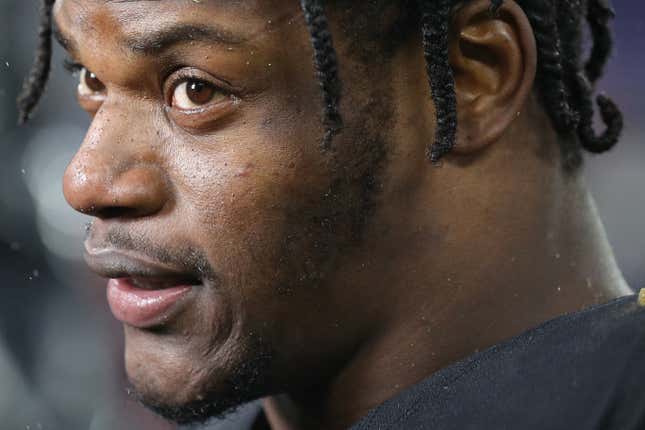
{"points": [[246, 19]]}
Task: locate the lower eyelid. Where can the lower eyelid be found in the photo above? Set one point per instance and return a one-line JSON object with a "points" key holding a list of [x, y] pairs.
{"points": [[205, 118], [223, 99], [90, 103]]}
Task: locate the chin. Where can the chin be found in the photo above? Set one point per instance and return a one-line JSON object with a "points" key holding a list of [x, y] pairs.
{"points": [[187, 383]]}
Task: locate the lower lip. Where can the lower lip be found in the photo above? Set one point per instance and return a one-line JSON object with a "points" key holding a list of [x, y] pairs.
{"points": [[143, 308]]}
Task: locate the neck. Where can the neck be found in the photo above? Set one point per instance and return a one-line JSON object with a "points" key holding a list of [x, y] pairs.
{"points": [[454, 285]]}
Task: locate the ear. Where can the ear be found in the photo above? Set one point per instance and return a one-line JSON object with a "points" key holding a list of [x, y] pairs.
{"points": [[494, 58]]}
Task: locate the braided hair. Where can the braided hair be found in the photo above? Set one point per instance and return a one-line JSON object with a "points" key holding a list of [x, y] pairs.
{"points": [[565, 82], [34, 85]]}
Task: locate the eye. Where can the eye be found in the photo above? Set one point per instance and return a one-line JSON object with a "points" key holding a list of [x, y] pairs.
{"points": [[193, 94], [89, 84], [197, 101]]}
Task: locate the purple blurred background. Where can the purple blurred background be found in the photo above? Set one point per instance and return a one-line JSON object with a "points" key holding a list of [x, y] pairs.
{"points": [[60, 350]]}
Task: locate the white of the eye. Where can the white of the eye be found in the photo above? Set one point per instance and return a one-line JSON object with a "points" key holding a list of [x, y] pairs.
{"points": [[181, 99], [83, 89]]}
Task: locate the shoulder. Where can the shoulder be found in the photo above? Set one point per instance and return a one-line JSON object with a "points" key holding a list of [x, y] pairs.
{"points": [[583, 370]]}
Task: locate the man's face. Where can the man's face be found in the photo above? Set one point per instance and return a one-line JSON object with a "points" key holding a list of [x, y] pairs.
{"points": [[217, 214]]}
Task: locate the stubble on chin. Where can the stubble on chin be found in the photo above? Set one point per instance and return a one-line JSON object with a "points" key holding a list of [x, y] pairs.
{"points": [[225, 390]]}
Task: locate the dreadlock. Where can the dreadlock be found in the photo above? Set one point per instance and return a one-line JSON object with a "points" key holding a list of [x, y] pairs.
{"points": [[434, 28], [581, 78], [565, 82], [35, 83], [598, 15], [555, 94], [326, 65]]}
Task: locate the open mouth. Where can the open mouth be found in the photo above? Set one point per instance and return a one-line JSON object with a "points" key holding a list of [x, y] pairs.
{"points": [[144, 307], [141, 292]]}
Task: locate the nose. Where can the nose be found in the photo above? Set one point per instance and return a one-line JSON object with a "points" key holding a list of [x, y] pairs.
{"points": [[114, 181], [91, 187]]}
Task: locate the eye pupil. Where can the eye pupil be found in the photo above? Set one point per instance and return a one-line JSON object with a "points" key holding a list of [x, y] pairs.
{"points": [[199, 92]]}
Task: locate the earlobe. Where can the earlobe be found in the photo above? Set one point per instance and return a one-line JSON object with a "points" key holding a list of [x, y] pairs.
{"points": [[494, 59]]}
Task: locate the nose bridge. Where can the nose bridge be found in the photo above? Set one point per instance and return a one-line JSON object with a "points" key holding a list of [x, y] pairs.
{"points": [[116, 172], [115, 136]]}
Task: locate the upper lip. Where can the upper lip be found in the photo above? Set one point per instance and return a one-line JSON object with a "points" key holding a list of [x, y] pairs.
{"points": [[143, 270]]}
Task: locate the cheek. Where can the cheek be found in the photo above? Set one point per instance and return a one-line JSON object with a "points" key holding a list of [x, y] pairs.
{"points": [[239, 201]]}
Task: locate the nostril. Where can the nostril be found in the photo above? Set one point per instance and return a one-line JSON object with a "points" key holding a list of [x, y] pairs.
{"points": [[132, 194], [103, 189], [115, 212]]}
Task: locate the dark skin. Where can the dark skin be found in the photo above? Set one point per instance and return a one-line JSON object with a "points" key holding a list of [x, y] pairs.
{"points": [[230, 188]]}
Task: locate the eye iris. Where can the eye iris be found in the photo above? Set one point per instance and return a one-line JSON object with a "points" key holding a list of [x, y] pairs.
{"points": [[93, 83], [199, 92]]}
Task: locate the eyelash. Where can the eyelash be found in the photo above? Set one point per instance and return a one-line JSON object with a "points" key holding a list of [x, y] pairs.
{"points": [[72, 67], [75, 68]]}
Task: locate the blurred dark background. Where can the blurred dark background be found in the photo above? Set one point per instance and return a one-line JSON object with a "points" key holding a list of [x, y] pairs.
{"points": [[60, 350]]}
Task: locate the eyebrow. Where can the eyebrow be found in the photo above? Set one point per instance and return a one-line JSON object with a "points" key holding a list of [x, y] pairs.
{"points": [[158, 41], [67, 44]]}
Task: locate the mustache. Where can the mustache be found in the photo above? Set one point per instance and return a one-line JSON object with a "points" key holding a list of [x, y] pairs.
{"points": [[186, 258]]}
